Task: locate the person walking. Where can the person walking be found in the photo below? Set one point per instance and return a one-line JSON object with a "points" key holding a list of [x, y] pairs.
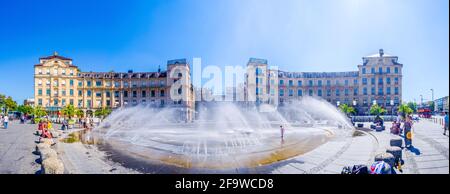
{"points": [[446, 122], [407, 131], [282, 132], [5, 121]]}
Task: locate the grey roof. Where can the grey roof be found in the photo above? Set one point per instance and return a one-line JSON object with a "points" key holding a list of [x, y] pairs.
{"points": [[257, 60], [176, 61]]}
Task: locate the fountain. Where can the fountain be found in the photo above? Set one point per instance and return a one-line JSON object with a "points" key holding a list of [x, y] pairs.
{"points": [[224, 136]]}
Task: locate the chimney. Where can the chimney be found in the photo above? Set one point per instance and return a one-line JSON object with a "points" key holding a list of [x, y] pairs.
{"points": [[381, 53]]}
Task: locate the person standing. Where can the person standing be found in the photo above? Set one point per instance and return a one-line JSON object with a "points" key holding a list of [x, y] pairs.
{"points": [[5, 121], [407, 132], [446, 122], [282, 132]]}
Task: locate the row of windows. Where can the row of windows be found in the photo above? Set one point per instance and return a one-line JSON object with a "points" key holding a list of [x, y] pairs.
{"points": [[55, 72], [313, 83], [380, 70], [337, 92], [106, 84], [89, 104], [365, 102], [380, 80], [107, 93]]}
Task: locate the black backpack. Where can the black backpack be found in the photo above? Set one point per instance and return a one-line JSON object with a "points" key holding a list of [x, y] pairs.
{"points": [[360, 169]]}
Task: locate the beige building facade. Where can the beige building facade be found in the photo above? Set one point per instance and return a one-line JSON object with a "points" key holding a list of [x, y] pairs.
{"points": [[58, 83], [378, 80]]}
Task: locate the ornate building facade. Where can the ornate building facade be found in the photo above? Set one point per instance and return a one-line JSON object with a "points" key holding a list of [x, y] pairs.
{"points": [[378, 80], [58, 83]]}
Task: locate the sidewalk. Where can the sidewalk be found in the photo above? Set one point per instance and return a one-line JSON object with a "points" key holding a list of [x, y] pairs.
{"points": [[17, 144], [430, 155]]}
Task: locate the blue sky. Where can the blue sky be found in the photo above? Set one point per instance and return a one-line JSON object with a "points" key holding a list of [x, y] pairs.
{"points": [[297, 35]]}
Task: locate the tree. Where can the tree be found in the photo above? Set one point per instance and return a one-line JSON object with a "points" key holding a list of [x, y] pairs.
{"points": [[348, 110], [79, 113], [412, 106], [25, 109], [377, 110], [103, 112], [9, 104], [405, 110], [431, 105], [39, 112], [69, 111]]}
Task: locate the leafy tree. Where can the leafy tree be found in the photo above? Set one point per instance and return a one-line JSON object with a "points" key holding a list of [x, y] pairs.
{"points": [[405, 110], [348, 110], [79, 113], [103, 112], [25, 109], [377, 110], [9, 104], [69, 111], [412, 106], [431, 105], [39, 111]]}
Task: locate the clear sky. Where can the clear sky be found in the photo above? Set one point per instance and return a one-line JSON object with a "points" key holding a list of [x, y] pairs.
{"points": [[297, 35]]}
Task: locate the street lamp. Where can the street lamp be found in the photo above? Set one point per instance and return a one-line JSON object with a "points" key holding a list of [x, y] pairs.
{"points": [[338, 103], [432, 99], [421, 100], [392, 107], [432, 94], [374, 102]]}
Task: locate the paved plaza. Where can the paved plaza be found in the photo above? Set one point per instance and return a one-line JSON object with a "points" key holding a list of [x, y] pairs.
{"points": [[429, 155]]}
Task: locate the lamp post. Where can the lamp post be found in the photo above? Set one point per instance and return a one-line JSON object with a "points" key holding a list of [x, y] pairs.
{"points": [[338, 103], [392, 108], [432, 99], [421, 100]]}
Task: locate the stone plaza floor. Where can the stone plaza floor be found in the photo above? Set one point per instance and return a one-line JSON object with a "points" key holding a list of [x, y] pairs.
{"points": [[429, 155]]}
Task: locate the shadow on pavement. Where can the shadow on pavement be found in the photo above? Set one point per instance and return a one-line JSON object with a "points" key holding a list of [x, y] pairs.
{"points": [[414, 150]]}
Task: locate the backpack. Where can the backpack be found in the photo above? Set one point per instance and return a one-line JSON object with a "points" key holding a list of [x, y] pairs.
{"points": [[346, 170], [360, 169]]}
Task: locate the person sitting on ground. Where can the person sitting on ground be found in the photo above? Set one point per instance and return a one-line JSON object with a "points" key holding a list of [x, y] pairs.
{"points": [[378, 121], [394, 129]]}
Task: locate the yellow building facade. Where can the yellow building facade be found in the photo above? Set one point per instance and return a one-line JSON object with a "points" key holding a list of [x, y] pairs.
{"points": [[58, 83]]}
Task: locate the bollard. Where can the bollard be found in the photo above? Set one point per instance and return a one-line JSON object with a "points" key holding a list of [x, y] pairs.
{"points": [[396, 141], [42, 146], [52, 165], [396, 152], [47, 153], [386, 157]]}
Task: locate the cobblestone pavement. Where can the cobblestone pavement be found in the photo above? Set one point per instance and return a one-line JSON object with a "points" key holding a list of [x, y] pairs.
{"points": [[429, 155], [17, 144]]}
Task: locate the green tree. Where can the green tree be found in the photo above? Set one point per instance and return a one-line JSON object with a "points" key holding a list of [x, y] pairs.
{"points": [[102, 113], [348, 110], [9, 104], [377, 110], [79, 113], [412, 106], [69, 111], [431, 105], [25, 109], [405, 110], [39, 112]]}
